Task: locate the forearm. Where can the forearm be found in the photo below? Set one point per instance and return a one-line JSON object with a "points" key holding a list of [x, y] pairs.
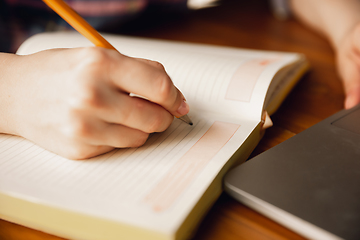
{"points": [[332, 18]]}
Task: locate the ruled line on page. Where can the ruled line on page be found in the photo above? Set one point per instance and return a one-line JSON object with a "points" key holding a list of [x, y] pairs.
{"points": [[188, 167]]}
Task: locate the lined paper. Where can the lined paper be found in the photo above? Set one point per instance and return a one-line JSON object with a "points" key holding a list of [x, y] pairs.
{"points": [[157, 185], [189, 165], [208, 76], [126, 176]]}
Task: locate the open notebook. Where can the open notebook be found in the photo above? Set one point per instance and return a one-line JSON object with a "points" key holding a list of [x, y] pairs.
{"points": [[162, 189]]}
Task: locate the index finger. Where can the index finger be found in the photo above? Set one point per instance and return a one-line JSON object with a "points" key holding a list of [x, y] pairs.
{"points": [[150, 81]]}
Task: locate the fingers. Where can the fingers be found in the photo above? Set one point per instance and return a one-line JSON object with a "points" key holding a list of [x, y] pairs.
{"points": [[90, 137], [94, 137], [114, 135], [350, 74], [348, 61], [80, 153], [152, 63], [84, 100], [136, 113], [148, 79], [351, 81]]}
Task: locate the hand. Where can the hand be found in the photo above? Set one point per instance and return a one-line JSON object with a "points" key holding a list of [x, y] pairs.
{"points": [[348, 63], [342, 31], [76, 102]]}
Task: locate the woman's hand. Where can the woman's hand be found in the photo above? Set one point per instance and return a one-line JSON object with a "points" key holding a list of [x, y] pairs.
{"points": [[76, 102], [339, 22], [348, 63]]}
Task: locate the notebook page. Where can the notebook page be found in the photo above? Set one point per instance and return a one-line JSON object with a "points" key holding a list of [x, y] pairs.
{"points": [[154, 186], [227, 81]]}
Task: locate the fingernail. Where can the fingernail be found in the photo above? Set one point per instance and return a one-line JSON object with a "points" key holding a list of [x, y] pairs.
{"points": [[183, 109]]}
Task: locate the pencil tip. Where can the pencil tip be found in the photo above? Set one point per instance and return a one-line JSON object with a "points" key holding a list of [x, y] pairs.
{"points": [[186, 119]]}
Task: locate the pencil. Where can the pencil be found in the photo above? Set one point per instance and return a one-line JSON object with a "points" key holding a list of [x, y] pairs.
{"points": [[77, 22], [84, 28]]}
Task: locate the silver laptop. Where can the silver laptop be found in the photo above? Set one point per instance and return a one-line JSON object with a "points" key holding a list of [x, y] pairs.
{"points": [[309, 183]]}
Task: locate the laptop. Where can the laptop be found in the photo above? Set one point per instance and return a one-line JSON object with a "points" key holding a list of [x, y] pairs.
{"points": [[310, 183]]}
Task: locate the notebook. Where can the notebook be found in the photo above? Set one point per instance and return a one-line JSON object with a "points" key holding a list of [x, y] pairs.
{"points": [[309, 183], [163, 189]]}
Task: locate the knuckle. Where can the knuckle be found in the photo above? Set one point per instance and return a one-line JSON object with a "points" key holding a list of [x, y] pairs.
{"points": [[91, 62], [87, 96], [154, 124], [79, 129], [129, 113], [139, 140], [94, 55], [139, 104], [91, 99], [158, 65], [167, 122], [88, 86], [164, 86]]}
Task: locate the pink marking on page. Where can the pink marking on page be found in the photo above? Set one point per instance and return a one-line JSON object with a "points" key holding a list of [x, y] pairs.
{"points": [[189, 166], [243, 81]]}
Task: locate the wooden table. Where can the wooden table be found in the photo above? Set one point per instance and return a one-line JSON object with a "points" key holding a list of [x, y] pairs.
{"points": [[246, 24]]}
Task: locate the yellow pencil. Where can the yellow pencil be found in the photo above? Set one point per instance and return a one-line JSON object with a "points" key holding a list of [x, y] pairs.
{"points": [[84, 28], [77, 22]]}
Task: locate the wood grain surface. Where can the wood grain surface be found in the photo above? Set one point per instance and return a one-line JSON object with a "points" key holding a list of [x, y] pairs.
{"points": [[245, 24]]}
